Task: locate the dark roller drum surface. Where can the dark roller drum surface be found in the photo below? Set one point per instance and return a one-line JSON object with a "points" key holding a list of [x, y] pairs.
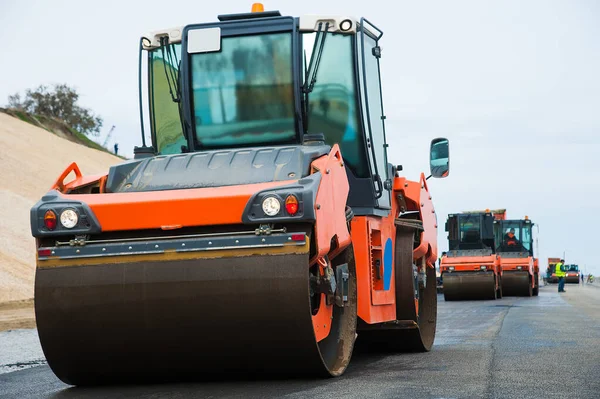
{"points": [[179, 319]]}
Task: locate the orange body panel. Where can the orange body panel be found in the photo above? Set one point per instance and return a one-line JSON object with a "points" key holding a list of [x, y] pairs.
{"points": [[330, 204], [373, 236], [155, 209], [418, 199], [471, 263], [322, 320], [369, 235], [511, 264]]}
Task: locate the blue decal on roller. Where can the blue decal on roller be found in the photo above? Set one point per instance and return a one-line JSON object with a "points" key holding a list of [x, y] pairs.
{"points": [[387, 264]]}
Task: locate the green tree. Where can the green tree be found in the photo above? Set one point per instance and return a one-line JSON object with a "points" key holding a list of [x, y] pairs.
{"points": [[58, 102]]}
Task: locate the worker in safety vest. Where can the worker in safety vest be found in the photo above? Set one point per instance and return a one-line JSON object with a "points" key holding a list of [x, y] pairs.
{"points": [[559, 271]]}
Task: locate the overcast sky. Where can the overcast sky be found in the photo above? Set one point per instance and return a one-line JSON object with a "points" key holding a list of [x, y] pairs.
{"points": [[514, 85]]}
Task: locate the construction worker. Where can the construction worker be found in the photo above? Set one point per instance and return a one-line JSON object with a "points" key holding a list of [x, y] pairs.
{"points": [[560, 273], [510, 239]]}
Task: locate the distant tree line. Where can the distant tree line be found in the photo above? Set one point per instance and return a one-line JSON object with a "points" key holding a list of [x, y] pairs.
{"points": [[58, 102]]}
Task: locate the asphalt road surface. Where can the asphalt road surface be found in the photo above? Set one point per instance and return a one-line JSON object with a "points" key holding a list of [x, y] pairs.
{"points": [[540, 347]]}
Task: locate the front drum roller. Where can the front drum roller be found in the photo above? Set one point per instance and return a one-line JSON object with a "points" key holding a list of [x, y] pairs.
{"points": [[191, 319], [416, 304], [470, 286], [516, 283]]}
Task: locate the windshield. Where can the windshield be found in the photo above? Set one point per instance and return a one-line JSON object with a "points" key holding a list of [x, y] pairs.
{"points": [[243, 95], [513, 236], [165, 117], [469, 228], [572, 268], [332, 108]]}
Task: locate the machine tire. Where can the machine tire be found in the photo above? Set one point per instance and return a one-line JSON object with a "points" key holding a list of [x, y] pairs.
{"points": [[536, 288]]}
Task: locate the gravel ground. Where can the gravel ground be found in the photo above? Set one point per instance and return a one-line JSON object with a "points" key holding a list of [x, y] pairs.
{"points": [[20, 349]]}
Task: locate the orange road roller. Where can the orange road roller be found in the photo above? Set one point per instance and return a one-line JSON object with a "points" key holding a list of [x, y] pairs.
{"points": [[262, 228], [471, 268], [520, 268]]}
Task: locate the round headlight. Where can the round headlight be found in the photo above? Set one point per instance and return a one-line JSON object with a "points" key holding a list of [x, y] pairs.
{"points": [[271, 206], [69, 218]]}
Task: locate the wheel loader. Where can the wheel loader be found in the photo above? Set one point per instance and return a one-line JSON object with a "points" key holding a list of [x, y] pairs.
{"points": [[470, 268], [520, 268], [261, 231]]}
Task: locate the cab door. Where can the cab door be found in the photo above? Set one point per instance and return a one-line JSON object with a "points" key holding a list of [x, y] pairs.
{"points": [[369, 54]]}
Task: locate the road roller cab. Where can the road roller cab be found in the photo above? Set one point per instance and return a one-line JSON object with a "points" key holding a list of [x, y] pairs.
{"points": [[470, 268], [514, 245], [259, 229]]}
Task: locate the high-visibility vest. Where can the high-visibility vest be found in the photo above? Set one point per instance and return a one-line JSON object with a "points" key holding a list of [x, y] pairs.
{"points": [[558, 272]]}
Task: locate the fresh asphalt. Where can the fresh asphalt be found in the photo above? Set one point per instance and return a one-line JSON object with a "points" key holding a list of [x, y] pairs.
{"points": [[539, 347]]}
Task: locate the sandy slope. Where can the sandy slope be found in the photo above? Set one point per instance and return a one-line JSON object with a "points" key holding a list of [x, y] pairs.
{"points": [[30, 161]]}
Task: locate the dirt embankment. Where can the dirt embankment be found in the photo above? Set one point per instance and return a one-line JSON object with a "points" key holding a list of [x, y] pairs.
{"points": [[31, 159]]}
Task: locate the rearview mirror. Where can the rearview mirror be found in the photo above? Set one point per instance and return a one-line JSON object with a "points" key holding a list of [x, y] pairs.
{"points": [[439, 157]]}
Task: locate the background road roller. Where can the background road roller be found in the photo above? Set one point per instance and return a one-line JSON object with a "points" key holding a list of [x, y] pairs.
{"points": [[471, 269], [514, 245], [260, 232], [573, 274]]}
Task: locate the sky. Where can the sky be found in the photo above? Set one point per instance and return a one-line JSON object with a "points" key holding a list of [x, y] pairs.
{"points": [[514, 86]]}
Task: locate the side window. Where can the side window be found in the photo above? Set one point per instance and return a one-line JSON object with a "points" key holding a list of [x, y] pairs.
{"points": [[166, 121], [332, 108], [373, 113], [527, 237]]}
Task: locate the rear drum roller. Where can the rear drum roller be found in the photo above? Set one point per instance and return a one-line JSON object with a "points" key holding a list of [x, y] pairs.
{"points": [[416, 304], [115, 320], [536, 287]]}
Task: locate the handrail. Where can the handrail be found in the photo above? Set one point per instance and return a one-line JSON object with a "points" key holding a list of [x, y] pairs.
{"points": [[59, 184]]}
